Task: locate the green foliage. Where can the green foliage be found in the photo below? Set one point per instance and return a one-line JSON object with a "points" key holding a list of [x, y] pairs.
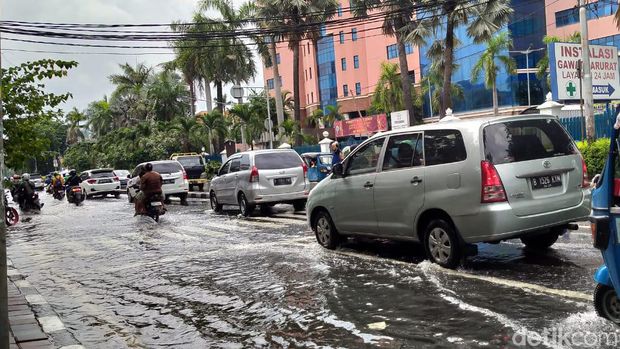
{"points": [[27, 107], [211, 168], [81, 156], [594, 154]]}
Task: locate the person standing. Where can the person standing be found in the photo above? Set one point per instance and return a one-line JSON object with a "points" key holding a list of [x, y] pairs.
{"points": [[336, 154]]}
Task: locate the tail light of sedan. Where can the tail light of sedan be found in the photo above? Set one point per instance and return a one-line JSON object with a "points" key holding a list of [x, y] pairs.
{"points": [[91, 181]]}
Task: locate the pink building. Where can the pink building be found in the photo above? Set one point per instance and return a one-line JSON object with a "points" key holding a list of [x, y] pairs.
{"points": [[563, 20], [344, 68]]}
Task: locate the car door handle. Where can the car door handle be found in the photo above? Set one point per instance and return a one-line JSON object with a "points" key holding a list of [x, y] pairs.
{"points": [[416, 180], [368, 185]]}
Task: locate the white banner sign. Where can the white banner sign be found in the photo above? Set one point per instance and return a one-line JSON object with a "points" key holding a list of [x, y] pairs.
{"points": [[400, 119], [564, 60]]}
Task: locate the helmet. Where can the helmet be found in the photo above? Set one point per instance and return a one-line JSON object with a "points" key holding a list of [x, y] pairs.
{"points": [[56, 174], [72, 173], [148, 167], [26, 176]]}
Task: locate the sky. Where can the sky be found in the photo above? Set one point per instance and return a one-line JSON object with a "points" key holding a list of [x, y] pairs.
{"points": [[89, 81]]}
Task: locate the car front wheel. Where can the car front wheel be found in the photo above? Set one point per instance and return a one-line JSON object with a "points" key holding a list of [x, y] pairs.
{"points": [[215, 206], [325, 231], [441, 244]]}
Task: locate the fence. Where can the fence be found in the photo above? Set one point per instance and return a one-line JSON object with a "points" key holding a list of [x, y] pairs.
{"points": [[602, 125]]}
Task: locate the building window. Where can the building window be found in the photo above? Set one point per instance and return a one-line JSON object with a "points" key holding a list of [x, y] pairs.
{"points": [[345, 90], [358, 88], [356, 62], [354, 34], [341, 35], [339, 10], [343, 64], [306, 73], [310, 71], [392, 51], [594, 10], [408, 48], [277, 58], [311, 97], [613, 40], [270, 84], [566, 17], [308, 47]]}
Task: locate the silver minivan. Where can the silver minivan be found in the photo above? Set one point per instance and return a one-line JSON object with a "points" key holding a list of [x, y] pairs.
{"points": [[454, 183], [261, 177]]}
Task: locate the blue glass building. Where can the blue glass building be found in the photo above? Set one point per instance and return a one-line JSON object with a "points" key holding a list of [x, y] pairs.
{"points": [[326, 59]]}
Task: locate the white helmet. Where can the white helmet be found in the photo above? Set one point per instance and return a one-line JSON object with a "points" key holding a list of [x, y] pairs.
{"points": [[26, 176]]}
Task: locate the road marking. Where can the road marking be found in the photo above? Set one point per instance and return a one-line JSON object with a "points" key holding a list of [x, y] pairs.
{"points": [[51, 324], [524, 286], [35, 299], [22, 283]]}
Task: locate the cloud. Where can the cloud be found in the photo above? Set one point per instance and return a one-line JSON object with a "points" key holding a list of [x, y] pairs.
{"points": [[89, 81]]}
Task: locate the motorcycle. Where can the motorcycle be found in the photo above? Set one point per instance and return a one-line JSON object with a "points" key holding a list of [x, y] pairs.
{"points": [[154, 207], [75, 196], [31, 204], [604, 221], [59, 193], [11, 217]]}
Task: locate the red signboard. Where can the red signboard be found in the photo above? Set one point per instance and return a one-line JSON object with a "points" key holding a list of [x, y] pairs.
{"points": [[361, 126]]}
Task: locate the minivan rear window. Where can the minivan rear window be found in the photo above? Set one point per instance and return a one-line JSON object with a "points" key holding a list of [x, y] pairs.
{"points": [[277, 161], [190, 161], [524, 140], [167, 167], [102, 174]]}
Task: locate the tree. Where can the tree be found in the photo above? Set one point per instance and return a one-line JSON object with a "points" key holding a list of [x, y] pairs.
{"points": [[331, 114], [186, 126], [617, 18], [74, 132], [26, 106], [543, 64], [216, 126], [388, 96], [290, 130], [398, 22], [100, 117], [129, 100], [482, 18], [496, 51], [169, 96]]}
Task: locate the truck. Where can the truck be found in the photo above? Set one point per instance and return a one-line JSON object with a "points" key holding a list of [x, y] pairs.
{"points": [[194, 166]]}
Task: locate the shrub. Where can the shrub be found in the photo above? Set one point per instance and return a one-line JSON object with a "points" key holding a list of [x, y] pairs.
{"points": [[595, 154]]}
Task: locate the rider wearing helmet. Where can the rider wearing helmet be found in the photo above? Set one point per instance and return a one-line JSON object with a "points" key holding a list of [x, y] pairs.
{"points": [[25, 190], [150, 186], [57, 181], [74, 180]]}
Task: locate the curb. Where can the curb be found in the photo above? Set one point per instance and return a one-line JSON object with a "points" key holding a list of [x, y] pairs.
{"points": [[197, 195], [48, 320]]}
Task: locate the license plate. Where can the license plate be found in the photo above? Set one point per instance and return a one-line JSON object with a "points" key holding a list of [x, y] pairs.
{"points": [[102, 181], [544, 182], [282, 181], [168, 181], [156, 204]]}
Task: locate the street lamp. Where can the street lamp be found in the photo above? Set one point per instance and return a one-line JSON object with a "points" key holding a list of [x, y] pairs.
{"points": [[527, 68]]}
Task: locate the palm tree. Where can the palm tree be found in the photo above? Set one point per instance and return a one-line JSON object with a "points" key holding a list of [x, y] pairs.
{"points": [[74, 132], [482, 18], [99, 116], [617, 18], [186, 126], [388, 96], [496, 51], [397, 23], [332, 113], [130, 94], [168, 96], [433, 81], [290, 130], [216, 126], [543, 64], [288, 100]]}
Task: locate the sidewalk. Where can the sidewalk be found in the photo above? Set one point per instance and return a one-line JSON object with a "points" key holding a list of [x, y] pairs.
{"points": [[33, 323]]}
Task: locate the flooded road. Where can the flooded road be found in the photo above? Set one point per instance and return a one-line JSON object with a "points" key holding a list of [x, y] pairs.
{"points": [[202, 280]]}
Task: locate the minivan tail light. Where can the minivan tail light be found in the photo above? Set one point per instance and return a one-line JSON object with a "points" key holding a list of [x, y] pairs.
{"points": [[305, 167], [254, 174], [116, 179], [91, 181], [185, 178], [492, 187], [585, 181]]}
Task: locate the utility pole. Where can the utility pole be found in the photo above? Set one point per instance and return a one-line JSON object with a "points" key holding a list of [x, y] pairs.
{"points": [[588, 97], [527, 69], [4, 300], [582, 123]]}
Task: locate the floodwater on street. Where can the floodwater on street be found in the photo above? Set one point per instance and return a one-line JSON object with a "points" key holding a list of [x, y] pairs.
{"points": [[203, 280]]}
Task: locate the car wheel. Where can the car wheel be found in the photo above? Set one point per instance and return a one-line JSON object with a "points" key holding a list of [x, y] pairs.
{"points": [[299, 205], [215, 206], [129, 198], [183, 198], [201, 187], [606, 303], [540, 242], [117, 195], [441, 244], [325, 231], [244, 206]]}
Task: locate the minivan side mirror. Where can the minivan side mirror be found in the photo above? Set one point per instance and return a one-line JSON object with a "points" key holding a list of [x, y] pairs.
{"points": [[338, 170]]}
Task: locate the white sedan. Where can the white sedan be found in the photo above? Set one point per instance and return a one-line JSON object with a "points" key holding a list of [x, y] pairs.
{"points": [[100, 182]]}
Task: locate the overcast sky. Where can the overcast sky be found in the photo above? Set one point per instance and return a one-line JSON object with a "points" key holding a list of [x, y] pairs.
{"points": [[89, 81]]}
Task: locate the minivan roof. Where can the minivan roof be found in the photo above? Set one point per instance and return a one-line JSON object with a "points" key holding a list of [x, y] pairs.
{"points": [[262, 151], [463, 123], [159, 162]]}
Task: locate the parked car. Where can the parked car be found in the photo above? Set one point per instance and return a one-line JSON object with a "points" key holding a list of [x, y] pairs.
{"points": [[37, 181], [123, 176], [100, 182], [173, 175], [455, 183], [261, 177], [194, 166], [319, 166]]}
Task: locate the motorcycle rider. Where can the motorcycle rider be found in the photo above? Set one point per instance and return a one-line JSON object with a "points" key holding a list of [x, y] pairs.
{"points": [[25, 191], [150, 185], [72, 181], [57, 182]]}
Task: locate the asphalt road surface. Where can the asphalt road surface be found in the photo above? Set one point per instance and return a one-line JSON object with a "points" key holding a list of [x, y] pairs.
{"points": [[198, 280]]}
